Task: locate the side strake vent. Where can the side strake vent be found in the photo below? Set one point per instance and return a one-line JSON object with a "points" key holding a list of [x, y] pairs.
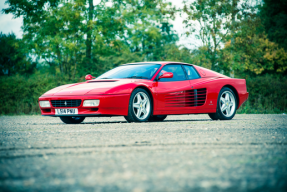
{"points": [[190, 98]]}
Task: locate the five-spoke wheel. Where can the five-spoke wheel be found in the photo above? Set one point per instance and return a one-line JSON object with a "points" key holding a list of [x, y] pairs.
{"points": [[226, 105], [140, 107]]}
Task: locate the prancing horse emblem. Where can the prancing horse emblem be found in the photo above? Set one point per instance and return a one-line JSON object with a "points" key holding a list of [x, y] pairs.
{"points": [[65, 103]]}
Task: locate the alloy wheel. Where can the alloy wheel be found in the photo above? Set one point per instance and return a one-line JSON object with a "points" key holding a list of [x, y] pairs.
{"points": [[227, 103], [141, 105]]}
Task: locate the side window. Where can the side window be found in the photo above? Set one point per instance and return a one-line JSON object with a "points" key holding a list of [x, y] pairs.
{"points": [[191, 72], [178, 73]]}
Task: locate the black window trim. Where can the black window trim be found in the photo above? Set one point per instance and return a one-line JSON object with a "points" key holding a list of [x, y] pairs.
{"points": [[199, 77], [186, 77], [136, 64]]}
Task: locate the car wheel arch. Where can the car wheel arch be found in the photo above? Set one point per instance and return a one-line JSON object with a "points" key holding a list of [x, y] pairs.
{"points": [[149, 92], [235, 92]]}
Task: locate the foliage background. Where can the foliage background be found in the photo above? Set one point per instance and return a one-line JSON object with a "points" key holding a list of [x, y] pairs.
{"points": [[63, 40]]}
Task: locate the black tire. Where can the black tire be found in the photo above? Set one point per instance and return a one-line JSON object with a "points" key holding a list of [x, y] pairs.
{"points": [[220, 115], [73, 120], [131, 117], [157, 117]]}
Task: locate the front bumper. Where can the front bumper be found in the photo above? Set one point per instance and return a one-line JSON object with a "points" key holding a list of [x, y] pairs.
{"points": [[110, 105]]}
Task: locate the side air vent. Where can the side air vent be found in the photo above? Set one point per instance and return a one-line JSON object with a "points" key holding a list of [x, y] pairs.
{"points": [[200, 96], [190, 98]]}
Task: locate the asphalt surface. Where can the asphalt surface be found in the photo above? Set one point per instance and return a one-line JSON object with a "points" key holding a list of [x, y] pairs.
{"points": [[183, 153]]}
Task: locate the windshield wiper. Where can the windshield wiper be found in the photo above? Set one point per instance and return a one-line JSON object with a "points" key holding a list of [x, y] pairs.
{"points": [[137, 77], [105, 78]]}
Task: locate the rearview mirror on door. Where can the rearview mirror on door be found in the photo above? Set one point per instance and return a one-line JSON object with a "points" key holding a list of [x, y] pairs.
{"points": [[89, 77], [166, 75]]}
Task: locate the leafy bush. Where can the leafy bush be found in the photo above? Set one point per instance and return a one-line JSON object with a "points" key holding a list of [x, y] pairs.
{"points": [[19, 95], [267, 94]]}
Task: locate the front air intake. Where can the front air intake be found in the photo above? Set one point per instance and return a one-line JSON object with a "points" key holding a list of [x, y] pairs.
{"points": [[66, 103]]}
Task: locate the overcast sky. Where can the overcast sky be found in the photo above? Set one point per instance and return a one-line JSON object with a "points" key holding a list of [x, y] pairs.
{"points": [[9, 24]]}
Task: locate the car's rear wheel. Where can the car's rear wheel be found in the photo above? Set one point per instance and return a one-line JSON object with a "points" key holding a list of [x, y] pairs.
{"points": [[226, 105], [72, 120], [157, 117], [140, 106]]}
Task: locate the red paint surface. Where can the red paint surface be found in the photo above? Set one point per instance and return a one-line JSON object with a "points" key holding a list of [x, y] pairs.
{"points": [[168, 97]]}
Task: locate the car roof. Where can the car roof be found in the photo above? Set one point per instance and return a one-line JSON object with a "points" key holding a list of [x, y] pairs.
{"points": [[156, 62]]}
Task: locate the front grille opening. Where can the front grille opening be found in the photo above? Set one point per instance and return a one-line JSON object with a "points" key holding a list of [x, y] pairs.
{"points": [[94, 109], [66, 103]]}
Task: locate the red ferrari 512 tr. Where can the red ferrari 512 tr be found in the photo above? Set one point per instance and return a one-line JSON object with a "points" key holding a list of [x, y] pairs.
{"points": [[147, 91]]}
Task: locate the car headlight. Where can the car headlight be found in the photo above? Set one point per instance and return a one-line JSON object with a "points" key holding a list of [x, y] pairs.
{"points": [[45, 104], [91, 103]]}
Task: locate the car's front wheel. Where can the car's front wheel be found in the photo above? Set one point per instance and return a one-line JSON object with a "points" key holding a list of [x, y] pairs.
{"points": [[226, 105], [140, 106], [72, 120]]}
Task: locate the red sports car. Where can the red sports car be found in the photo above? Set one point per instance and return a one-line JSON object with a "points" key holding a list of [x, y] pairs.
{"points": [[147, 91]]}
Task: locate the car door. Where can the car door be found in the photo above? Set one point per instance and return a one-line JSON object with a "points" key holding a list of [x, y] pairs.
{"points": [[197, 93], [171, 92]]}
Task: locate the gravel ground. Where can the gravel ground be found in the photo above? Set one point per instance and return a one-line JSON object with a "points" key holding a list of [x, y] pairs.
{"points": [[183, 153]]}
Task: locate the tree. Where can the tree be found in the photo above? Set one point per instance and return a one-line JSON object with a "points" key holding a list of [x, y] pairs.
{"points": [[13, 56], [80, 37], [274, 18], [89, 30], [218, 21], [252, 53], [212, 18]]}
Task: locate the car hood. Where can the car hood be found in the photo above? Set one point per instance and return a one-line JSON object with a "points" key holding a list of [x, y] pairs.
{"points": [[114, 86]]}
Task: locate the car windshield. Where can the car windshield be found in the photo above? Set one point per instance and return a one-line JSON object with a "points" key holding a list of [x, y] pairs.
{"points": [[131, 72]]}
